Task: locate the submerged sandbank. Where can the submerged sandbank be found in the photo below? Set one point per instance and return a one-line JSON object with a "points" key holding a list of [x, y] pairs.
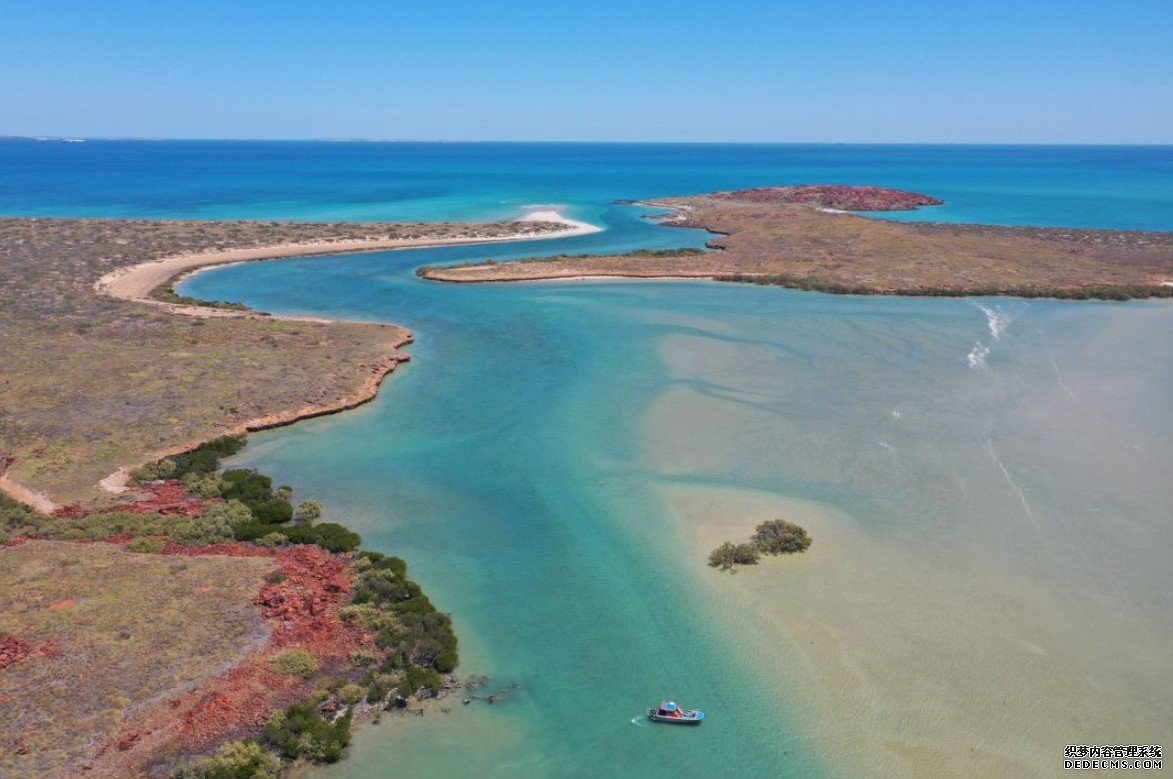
{"points": [[964, 609]]}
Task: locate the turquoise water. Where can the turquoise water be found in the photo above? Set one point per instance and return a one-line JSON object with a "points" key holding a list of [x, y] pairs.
{"points": [[1101, 186], [986, 480], [517, 463]]}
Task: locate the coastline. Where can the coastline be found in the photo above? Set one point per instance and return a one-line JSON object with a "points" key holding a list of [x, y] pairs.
{"points": [[117, 482], [135, 284], [820, 239]]}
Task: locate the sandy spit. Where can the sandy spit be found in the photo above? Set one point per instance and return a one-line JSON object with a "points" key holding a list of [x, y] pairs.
{"points": [[138, 281]]}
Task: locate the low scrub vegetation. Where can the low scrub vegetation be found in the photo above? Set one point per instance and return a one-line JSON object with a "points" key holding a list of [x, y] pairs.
{"points": [[250, 508], [413, 643], [407, 625], [167, 294], [301, 731], [235, 760], [296, 662], [820, 284], [110, 631], [775, 536], [779, 236], [730, 554], [16, 519]]}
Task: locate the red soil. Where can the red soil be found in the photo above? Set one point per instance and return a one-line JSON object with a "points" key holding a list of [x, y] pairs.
{"points": [[844, 198], [170, 498], [70, 511], [13, 650], [302, 609]]}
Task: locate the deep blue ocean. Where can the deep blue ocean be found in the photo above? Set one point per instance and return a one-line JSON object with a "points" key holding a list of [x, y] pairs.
{"points": [[1101, 186], [986, 481]]}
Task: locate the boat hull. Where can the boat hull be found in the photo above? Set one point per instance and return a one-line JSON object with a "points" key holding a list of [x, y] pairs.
{"points": [[695, 718]]}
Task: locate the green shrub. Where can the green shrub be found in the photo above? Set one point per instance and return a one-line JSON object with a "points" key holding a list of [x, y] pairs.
{"points": [[231, 511], [308, 512], [255, 490], [251, 531], [296, 662], [272, 540], [351, 694], [382, 562], [17, 518], [417, 634], [235, 760], [729, 554], [369, 617], [161, 469], [415, 678], [206, 457], [203, 485], [328, 535], [300, 731], [377, 692], [146, 545], [189, 531], [777, 536], [446, 661], [362, 658], [336, 538], [167, 294]]}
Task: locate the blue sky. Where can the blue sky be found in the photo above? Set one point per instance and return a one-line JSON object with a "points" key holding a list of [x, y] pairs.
{"points": [[1033, 71]]}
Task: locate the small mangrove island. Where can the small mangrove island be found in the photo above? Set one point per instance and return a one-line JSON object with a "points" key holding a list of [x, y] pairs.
{"points": [[772, 537]]}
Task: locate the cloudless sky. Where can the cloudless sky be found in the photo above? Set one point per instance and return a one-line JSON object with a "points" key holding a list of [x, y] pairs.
{"points": [[1035, 71]]}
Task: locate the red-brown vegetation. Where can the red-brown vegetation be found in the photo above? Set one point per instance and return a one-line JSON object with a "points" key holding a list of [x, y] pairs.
{"points": [[844, 198], [70, 511], [13, 650], [301, 599], [168, 497]]}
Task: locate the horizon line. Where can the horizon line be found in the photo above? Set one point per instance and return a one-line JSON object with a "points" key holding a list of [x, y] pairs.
{"points": [[157, 139]]}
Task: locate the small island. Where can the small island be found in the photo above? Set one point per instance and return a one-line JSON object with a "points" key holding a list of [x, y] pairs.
{"points": [[772, 537], [802, 237]]}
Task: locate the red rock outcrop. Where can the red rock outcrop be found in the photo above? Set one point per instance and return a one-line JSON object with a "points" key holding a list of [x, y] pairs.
{"points": [[13, 650], [168, 497], [301, 599], [841, 197]]}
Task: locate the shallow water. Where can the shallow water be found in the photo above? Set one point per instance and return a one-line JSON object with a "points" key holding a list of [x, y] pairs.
{"points": [[986, 481], [988, 580]]}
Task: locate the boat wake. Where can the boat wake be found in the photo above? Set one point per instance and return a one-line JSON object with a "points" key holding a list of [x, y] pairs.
{"points": [[997, 321], [639, 722], [977, 357]]}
